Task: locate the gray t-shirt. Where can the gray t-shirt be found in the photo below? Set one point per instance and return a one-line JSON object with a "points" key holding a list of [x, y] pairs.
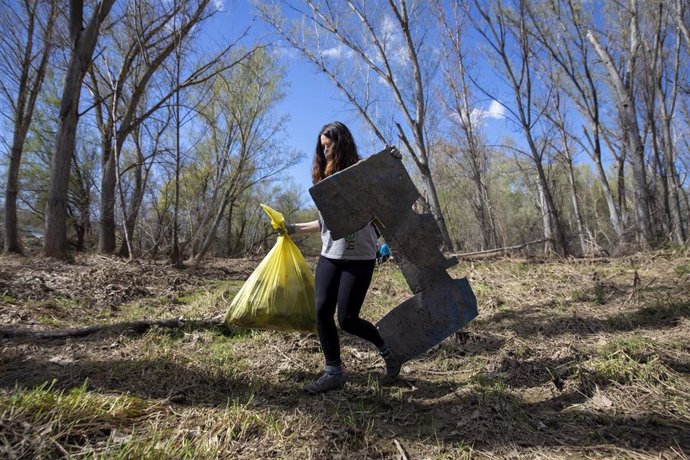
{"points": [[360, 245]]}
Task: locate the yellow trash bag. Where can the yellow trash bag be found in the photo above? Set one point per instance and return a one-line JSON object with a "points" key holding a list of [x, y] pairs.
{"points": [[279, 294]]}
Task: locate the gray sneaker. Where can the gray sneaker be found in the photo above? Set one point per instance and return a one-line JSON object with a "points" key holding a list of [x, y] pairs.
{"points": [[393, 365], [326, 382]]}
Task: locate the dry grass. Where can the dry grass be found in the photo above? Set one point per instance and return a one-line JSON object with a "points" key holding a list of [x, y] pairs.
{"points": [[566, 359]]}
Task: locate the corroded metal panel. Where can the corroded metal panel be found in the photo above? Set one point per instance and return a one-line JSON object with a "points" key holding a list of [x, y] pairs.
{"points": [[380, 189], [426, 319]]}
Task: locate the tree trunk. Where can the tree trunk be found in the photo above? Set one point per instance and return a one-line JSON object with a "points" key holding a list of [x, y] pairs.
{"points": [[12, 240], [28, 91], [677, 229], [626, 111], [83, 44], [551, 218], [678, 234], [211, 234], [614, 210], [581, 231], [134, 204], [436, 211], [106, 227], [82, 222], [228, 240]]}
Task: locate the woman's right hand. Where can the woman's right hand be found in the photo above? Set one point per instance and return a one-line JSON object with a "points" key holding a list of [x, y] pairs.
{"points": [[395, 153]]}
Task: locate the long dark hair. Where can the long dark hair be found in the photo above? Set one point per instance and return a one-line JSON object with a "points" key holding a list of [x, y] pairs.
{"points": [[343, 153]]}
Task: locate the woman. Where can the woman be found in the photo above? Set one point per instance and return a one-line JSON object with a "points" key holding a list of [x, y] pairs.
{"points": [[344, 270]]}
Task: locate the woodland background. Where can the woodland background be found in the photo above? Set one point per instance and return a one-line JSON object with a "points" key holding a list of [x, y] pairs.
{"points": [[135, 154], [124, 132]]}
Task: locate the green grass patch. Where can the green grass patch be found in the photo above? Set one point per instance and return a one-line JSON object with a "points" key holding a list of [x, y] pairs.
{"points": [[45, 422], [194, 304], [213, 436], [628, 360], [657, 315], [682, 269], [8, 299], [621, 368], [157, 446], [75, 407], [394, 278], [635, 346], [490, 388]]}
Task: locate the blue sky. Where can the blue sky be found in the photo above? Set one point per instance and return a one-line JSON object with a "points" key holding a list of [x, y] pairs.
{"points": [[311, 99]]}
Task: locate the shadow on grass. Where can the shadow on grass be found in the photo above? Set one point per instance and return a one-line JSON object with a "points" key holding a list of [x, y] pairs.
{"points": [[490, 417], [533, 322], [103, 331], [148, 379], [481, 415]]}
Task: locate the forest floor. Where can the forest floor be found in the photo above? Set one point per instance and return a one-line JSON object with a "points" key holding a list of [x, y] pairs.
{"points": [[567, 359]]}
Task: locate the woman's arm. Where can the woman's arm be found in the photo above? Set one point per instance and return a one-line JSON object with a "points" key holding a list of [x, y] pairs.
{"points": [[304, 227], [308, 227]]}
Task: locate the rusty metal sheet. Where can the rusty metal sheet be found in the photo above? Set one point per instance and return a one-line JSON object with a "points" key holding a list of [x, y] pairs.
{"points": [[379, 188]]}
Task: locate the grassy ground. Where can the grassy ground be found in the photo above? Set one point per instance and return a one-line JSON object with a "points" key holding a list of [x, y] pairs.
{"points": [[567, 359]]}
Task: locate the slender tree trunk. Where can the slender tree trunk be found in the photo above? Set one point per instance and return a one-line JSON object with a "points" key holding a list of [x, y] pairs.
{"points": [[662, 223], [28, 89], [480, 215], [622, 88], [545, 218], [211, 234], [228, 239], [106, 233], [678, 234], [620, 180], [175, 255], [135, 203], [673, 185], [614, 210], [581, 228], [12, 240], [82, 222], [437, 212]]}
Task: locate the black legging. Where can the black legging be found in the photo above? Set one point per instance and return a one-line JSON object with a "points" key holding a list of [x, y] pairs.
{"points": [[345, 283]]}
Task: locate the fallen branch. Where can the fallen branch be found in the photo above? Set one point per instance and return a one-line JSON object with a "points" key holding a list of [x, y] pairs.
{"points": [[401, 450], [506, 249], [138, 326]]}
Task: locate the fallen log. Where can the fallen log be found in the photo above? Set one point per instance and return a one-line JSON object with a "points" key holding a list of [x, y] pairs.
{"points": [[138, 326], [497, 250]]}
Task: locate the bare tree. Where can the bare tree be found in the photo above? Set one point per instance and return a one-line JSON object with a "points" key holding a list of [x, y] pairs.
{"points": [[561, 27], [83, 42], [659, 80], [504, 29], [145, 37], [243, 137], [558, 118], [373, 52], [25, 48], [146, 138], [471, 151], [621, 75]]}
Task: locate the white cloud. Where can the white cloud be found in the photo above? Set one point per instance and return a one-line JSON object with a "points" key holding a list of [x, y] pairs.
{"points": [[334, 52], [388, 29], [495, 111], [393, 41], [477, 116], [337, 52], [219, 5]]}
